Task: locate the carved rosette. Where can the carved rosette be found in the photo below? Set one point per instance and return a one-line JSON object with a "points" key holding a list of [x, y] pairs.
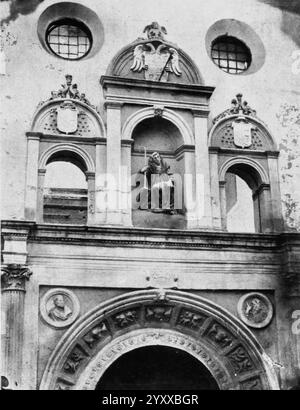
{"points": [[14, 277], [173, 323]]}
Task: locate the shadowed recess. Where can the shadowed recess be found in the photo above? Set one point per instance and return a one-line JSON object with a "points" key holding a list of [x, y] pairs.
{"points": [[157, 368]]}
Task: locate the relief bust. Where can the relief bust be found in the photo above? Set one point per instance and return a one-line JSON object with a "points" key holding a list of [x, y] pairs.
{"points": [[59, 307], [60, 311]]}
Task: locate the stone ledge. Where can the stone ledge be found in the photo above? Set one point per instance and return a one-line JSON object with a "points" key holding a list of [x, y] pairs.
{"points": [[147, 237]]}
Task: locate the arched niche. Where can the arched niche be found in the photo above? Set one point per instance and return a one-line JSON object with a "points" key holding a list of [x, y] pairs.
{"points": [[68, 152], [168, 318], [65, 127], [240, 144], [66, 205], [254, 176], [65, 192], [167, 135]]}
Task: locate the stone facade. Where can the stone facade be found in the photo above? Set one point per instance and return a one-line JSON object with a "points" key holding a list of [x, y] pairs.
{"points": [[95, 271]]}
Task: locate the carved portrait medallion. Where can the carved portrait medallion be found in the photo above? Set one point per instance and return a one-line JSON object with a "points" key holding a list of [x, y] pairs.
{"points": [[59, 307], [255, 309]]}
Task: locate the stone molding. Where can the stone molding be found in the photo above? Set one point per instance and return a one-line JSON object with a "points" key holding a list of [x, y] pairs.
{"points": [[14, 277], [208, 332], [135, 237]]}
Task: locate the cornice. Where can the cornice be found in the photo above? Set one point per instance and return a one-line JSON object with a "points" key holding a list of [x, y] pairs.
{"points": [[152, 238], [106, 81]]}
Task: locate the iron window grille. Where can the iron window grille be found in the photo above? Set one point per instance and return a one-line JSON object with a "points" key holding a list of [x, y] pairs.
{"points": [[69, 39], [231, 55]]}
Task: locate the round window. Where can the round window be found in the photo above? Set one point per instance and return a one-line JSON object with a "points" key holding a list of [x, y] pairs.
{"points": [[69, 39], [231, 55]]}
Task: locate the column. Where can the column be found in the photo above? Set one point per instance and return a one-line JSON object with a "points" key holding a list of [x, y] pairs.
{"points": [[265, 208], [126, 201], [215, 188], [40, 196], [13, 280], [275, 191], [223, 208], [90, 178], [100, 184], [189, 186], [203, 194], [33, 141], [114, 216]]}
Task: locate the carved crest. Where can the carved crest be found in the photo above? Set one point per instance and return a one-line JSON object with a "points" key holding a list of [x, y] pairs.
{"points": [[156, 58], [67, 117], [242, 132]]}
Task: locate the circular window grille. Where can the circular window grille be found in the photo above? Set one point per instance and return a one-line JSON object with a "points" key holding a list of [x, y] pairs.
{"points": [[69, 39], [231, 55]]}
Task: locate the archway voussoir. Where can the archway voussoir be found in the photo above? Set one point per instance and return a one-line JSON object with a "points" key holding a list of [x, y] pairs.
{"points": [[153, 318]]}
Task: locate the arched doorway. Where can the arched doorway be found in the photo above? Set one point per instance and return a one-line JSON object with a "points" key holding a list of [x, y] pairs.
{"points": [[157, 368], [160, 318]]}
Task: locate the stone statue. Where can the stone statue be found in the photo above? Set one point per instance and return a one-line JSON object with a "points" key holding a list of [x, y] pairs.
{"points": [[60, 311], [159, 181]]}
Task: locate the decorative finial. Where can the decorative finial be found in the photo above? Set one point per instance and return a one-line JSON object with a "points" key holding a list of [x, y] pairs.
{"points": [[238, 107], [155, 31], [69, 91]]}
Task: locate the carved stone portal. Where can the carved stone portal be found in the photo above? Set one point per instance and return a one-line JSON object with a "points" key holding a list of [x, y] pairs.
{"points": [[141, 319]]}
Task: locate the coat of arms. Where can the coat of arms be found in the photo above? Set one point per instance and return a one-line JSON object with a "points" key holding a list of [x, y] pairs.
{"points": [[67, 117], [156, 58], [242, 132]]}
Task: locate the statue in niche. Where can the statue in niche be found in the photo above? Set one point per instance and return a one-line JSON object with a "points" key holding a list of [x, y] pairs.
{"points": [[60, 311], [157, 195]]}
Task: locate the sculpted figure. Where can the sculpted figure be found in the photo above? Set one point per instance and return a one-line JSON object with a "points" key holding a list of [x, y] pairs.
{"points": [[161, 184], [60, 311]]}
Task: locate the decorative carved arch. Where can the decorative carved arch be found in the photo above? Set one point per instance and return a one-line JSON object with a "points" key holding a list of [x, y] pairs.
{"points": [[72, 148], [167, 114], [122, 61], [230, 118], [246, 161], [159, 317], [45, 108]]}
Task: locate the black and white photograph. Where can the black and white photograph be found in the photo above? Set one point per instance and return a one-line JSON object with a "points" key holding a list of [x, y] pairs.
{"points": [[150, 197]]}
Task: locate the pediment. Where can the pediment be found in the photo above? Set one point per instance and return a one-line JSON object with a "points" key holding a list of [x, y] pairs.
{"points": [[155, 59]]}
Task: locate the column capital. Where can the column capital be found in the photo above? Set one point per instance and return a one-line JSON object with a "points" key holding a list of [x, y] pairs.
{"points": [[34, 135], [200, 113], [90, 175], [14, 277], [127, 143], [114, 105]]}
